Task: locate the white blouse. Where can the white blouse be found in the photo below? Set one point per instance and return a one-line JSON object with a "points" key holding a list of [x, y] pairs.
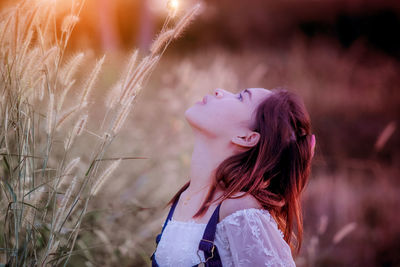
{"points": [[246, 237]]}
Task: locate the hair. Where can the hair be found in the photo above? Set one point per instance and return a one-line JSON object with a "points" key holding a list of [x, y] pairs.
{"points": [[276, 169]]}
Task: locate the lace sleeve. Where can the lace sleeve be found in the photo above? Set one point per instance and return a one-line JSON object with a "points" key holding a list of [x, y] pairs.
{"points": [[255, 240]]}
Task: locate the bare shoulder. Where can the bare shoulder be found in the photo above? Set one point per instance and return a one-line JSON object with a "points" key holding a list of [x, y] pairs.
{"points": [[230, 205]]}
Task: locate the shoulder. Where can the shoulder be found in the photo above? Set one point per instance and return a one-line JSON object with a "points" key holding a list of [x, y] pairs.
{"points": [[231, 205]]}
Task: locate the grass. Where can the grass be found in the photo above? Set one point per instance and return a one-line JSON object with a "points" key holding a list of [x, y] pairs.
{"points": [[46, 185]]}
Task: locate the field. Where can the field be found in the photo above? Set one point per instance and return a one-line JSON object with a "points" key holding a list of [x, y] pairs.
{"points": [[350, 202]]}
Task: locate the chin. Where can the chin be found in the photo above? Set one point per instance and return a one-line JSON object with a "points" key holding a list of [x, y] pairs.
{"points": [[193, 111], [194, 117], [189, 115]]}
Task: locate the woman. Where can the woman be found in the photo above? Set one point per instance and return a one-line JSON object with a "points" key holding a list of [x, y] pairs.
{"points": [[250, 163]]}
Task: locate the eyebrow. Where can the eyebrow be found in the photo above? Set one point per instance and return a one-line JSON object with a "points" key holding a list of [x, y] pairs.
{"points": [[247, 91]]}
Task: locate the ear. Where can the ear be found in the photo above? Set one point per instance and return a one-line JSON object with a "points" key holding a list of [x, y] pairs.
{"points": [[248, 140], [313, 141]]}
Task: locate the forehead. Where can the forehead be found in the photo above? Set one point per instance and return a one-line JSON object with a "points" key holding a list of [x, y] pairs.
{"points": [[258, 94]]}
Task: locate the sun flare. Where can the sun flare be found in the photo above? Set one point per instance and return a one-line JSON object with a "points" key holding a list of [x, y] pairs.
{"points": [[173, 6]]}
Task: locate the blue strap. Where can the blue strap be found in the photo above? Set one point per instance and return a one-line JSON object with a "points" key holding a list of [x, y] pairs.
{"points": [[158, 238], [211, 254], [171, 212]]}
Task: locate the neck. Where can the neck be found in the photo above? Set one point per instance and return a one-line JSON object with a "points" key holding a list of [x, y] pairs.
{"points": [[206, 157]]}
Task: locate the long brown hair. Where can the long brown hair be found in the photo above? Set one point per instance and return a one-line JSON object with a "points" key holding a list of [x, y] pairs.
{"points": [[276, 169]]}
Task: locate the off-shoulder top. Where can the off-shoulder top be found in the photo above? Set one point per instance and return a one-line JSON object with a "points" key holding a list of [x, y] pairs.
{"points": [[246, 237]]}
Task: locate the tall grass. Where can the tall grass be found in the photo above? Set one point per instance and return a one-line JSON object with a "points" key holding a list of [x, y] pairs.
{"points": [[45, 188]]}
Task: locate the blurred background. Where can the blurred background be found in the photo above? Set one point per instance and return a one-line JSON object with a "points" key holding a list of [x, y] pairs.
{"points": [[342, 57]]}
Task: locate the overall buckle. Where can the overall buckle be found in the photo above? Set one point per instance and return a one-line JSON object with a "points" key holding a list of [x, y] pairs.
{"points": [[212, 251]]}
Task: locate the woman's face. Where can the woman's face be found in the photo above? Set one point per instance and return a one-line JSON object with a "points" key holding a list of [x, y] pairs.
{"points": [[226, 114]]}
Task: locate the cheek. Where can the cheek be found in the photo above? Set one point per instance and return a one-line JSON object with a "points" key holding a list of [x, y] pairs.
{"points": [[219, 112], [221, 119], [224, 117]]}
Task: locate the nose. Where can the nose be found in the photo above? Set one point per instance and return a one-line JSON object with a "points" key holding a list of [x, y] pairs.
{"points": [[218, 93]]}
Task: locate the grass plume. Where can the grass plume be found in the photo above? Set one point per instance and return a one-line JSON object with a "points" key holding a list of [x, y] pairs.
{"points": [[43, 195]]}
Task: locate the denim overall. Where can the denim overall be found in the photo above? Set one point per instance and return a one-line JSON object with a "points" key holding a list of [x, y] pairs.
{"points": [[206, 243]]}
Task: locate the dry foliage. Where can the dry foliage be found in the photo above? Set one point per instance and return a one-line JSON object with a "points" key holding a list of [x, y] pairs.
{"points": [[45, 187]]}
